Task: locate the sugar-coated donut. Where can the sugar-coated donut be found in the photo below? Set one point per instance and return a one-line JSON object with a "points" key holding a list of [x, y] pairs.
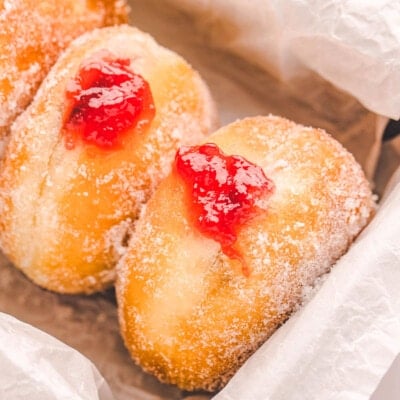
{"points": [[227, 243], [32, 34], [88, 152]]}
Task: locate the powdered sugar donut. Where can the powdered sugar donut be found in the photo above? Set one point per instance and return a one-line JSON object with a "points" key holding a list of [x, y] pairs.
{"points": [[226, 245], [84, 157], [32, 34]]}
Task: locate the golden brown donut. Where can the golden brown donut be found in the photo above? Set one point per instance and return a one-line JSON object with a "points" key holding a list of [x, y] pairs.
{"points": [[67, 207], [189, 312], [32, 34]]}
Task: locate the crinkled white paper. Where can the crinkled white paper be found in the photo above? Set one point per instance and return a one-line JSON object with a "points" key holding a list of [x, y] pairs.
{"points": [[353, 44], [340, 344], [36, 366]]}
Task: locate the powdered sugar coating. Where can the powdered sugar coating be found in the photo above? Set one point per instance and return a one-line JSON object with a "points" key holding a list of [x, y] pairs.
{"points": [[60, 207], [32, 34], [188, 315]]}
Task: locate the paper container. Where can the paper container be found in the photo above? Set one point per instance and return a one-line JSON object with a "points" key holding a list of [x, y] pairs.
{"points": [[89, 324]]}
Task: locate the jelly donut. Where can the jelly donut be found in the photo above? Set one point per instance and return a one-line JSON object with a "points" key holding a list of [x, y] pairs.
{"points": [[87, 153], [229, 241], [32, 34]]}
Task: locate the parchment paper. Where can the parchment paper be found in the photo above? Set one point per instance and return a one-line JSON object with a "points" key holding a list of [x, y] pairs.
{"points": [[29, 362], [352, 44], [89, 324]]}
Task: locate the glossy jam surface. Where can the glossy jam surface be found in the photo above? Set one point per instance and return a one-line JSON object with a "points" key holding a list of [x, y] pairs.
{"points": [[224, 192], [105, 101]]}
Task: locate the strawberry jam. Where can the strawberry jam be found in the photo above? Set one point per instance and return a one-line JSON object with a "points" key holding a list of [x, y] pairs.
{"points": [[105, 101], [224, 193]]}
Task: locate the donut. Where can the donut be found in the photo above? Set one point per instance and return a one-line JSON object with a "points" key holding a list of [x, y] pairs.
{"points": [[88, 152], [32, 34], [228, 243]]}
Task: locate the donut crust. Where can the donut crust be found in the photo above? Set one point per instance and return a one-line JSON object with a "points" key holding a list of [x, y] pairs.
{"points": [[66, 214], [188, 314]]}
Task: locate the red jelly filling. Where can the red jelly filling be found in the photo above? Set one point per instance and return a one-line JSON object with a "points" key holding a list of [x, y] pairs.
{"points": [[224, 192], [105, 101]]}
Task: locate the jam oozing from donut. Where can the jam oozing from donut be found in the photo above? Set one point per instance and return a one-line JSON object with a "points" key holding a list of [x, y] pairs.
{"points": [[224, 192], [105, 101]]}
